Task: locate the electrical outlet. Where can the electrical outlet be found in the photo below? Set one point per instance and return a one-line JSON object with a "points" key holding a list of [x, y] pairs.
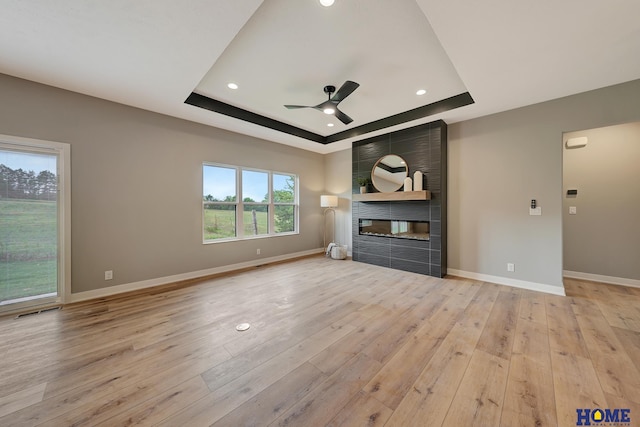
{"points": [[108, 275], [257, 251], [573, 210], [511, 266]]}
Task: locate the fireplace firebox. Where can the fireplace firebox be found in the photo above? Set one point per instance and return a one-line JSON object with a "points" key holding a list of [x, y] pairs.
{"points": [[397, 229]]}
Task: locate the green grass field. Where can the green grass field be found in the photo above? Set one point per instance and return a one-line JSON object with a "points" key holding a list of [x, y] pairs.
{"points": [[28, 248], [220, 224]]}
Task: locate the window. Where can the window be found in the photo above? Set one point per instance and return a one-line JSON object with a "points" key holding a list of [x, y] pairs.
{"points": [[219, 201], [240, 203], [284, 199], [35, 229]]}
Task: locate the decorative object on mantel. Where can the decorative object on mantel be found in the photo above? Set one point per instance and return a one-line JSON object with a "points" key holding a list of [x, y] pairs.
{"points": [[417, 181], [364, 184], [388, 173], [407, 184]]}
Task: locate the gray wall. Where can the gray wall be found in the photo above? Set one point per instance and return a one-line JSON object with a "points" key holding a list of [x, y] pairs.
{"points": [[603, 238], [338, 182], [136, 184], [498, 163]]}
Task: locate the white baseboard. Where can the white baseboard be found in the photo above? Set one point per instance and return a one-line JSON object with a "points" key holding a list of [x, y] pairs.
{"points": [[532, 286], [603, 279], [144, 284]]}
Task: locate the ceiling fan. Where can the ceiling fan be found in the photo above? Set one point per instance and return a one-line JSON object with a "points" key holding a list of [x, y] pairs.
{"points": [[330, 106]]}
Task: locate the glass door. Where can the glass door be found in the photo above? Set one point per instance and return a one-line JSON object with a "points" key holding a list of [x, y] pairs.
{"points": [[29, 226]]}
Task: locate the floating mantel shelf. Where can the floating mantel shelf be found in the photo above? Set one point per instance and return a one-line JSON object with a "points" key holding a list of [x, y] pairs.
{"points": [[390, 197]]}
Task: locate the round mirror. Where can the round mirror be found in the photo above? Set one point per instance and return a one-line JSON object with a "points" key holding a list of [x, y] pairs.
{"points": [[388, 173]]}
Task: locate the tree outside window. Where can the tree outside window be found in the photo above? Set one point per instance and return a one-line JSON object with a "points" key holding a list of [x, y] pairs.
{"points": [[284, 198]]}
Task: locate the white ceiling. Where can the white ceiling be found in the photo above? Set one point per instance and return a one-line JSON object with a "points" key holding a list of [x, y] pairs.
{"points": [[152, 54], [386, 46]]}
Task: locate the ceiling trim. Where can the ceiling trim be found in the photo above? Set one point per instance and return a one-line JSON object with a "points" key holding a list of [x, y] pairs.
{"points": [[441, 106], [216, 106], [220, 107]]}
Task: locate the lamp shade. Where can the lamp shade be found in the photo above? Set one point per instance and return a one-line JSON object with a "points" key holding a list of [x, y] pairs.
{"points": [[329, 201]]}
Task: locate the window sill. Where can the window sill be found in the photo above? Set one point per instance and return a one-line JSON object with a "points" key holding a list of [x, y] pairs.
{"points": [[240, 239]]}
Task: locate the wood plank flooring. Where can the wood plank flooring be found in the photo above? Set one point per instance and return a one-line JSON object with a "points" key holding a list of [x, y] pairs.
{"points": [[331, 343]]}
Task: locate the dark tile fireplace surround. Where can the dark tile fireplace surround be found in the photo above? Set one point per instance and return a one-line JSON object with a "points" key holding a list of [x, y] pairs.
{"points": [[424, 148]]}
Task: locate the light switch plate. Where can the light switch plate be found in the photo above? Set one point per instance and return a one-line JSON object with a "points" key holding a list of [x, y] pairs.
{"points": [[572, 210], [536, 211]]}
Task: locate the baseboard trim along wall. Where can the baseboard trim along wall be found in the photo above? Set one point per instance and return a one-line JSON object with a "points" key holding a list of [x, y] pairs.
{"points": [[532, 286], [603, 279], [144, 284]]}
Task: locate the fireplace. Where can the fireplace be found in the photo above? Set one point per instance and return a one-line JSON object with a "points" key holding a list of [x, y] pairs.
{"points": [[414, 237], [397, 229]]}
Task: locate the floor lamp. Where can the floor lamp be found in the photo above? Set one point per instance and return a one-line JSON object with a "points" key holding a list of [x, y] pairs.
{"points": [[329, 203]]}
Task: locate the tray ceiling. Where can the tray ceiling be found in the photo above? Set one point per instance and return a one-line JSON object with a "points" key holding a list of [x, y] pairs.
{"points": [[153, 54]]}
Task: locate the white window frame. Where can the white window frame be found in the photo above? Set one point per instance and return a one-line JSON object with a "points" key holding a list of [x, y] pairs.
{"points": [[63, 152], [295, 204], [240, 204]]}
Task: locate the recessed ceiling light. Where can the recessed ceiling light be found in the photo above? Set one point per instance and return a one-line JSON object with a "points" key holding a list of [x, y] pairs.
{"points": [[326, 3], [421, 92], [330, 125], [232, 86], [328, 111]]}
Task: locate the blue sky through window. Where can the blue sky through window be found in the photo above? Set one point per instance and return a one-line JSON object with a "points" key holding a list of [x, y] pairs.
{"points": [[220, 182], [255, 185], [28, 161]]}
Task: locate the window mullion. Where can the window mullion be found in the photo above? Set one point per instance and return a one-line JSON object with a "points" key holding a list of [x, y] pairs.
{"points": [[271, 208], [239, 205]]}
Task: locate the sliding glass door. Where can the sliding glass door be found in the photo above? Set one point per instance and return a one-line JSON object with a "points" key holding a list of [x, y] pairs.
{"points": [[30, 225]]}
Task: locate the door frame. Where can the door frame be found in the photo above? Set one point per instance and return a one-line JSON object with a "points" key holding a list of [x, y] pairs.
{"points": [[63, 151]]}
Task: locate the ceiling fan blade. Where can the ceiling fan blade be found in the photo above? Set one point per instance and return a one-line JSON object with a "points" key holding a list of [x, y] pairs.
{"points": [[345, 90], [323, 105], [343, 117], [332, 103], [293, 107]]}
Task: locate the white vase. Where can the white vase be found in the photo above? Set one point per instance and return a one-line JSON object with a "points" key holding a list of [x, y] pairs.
{"points": [[407, 184], [417, 181]]}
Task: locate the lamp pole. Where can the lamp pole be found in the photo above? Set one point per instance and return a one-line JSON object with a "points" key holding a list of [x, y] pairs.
{"points": [[329, 202], [325, 225]]}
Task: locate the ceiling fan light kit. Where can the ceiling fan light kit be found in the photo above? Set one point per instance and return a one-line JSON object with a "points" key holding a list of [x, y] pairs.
{"points": [[330, 106]]}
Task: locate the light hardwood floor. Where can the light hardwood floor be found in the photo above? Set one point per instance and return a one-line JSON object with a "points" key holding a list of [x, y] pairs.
{"points": [[331, 343]]}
